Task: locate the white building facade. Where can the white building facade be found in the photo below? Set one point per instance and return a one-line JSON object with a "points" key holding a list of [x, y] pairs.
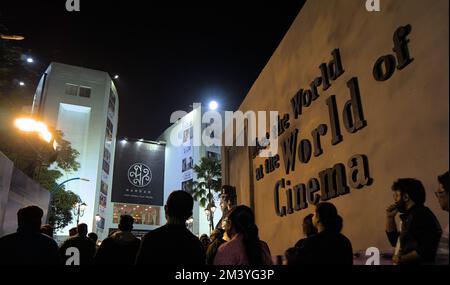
{"points": [[83, 104], [184, 149]]}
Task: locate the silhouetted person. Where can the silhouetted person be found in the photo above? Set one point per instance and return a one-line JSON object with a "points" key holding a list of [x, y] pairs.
{"points": [[328, 246], [173, 243], [291, 256], [28, 246], [84, 244], [73, 232], [418, 239], [121, 247], [245, 247], [442, 196], [93, 237], [216, 241], [308, 229], [204, 239], [47, 230]]}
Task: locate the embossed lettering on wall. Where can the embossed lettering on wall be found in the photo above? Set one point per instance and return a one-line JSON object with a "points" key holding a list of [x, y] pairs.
{"points": [[299, 151]]}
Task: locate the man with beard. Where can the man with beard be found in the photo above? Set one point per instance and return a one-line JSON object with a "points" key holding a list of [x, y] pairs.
{"points": [[418, 239]]}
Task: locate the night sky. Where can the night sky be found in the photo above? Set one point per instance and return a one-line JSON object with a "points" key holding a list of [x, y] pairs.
{"points": [[168, 56]]}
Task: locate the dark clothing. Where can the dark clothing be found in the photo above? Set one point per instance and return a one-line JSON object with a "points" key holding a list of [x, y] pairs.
{"points": [[420, 232], [85, 245], [120, 248], [212, 250], [326, 248], [28, 248], [171, 244], [300, 242]]}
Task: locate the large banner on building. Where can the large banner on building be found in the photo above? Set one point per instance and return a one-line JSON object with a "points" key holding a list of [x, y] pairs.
{"points": [[187, 161], [106, 166], [139, 173]]}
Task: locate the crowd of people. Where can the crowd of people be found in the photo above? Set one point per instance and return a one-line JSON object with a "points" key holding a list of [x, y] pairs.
{"points": [[418, 240]]}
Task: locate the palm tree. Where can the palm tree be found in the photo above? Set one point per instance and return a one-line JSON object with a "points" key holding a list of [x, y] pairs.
{"points": [[209, 180]]}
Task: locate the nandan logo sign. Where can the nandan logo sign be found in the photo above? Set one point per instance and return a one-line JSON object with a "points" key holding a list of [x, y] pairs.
{"points": [[139, 175]]}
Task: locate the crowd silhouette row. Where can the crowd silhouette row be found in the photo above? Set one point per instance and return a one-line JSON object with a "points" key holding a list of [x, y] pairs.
{"points": [[419, 239]]}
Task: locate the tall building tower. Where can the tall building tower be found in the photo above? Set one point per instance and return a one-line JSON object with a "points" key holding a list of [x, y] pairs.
{"points": [[184, 148], [83, 104]]}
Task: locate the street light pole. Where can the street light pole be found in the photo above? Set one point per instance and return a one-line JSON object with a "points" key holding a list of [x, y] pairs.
{"points": [[68, 180], [59, 186]]}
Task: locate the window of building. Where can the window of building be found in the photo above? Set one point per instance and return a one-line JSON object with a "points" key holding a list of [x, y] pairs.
{"points": [[211, 154], [71, 89], [142, 214], [85, 92]]}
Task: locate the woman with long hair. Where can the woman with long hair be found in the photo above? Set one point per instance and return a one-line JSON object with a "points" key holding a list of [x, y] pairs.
{"points": [[329, 246], [245, 247]]}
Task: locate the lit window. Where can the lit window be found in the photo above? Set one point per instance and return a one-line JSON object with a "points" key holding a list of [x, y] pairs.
{"points": [[142, 214]]}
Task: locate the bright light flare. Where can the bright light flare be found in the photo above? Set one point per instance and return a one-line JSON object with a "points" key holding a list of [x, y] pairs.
{"points": [[25, 124], [29, 125], [213, 105], [46, 137]]}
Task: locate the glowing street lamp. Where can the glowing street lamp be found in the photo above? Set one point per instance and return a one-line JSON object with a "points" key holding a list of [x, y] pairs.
{"points": [[116, 76], [25, 124], [213, 105], [21, 83], [80, 208], [11, 37], [30, 125], [30, 60]]}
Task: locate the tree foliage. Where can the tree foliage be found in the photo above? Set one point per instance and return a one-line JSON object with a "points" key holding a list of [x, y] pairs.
{"points": [[209, 181], [60, 213], [62, 201]]}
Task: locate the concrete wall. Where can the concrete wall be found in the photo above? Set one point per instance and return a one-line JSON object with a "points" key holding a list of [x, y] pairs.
{"points": [[19, 191], [407, 115], [6, 169]]}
